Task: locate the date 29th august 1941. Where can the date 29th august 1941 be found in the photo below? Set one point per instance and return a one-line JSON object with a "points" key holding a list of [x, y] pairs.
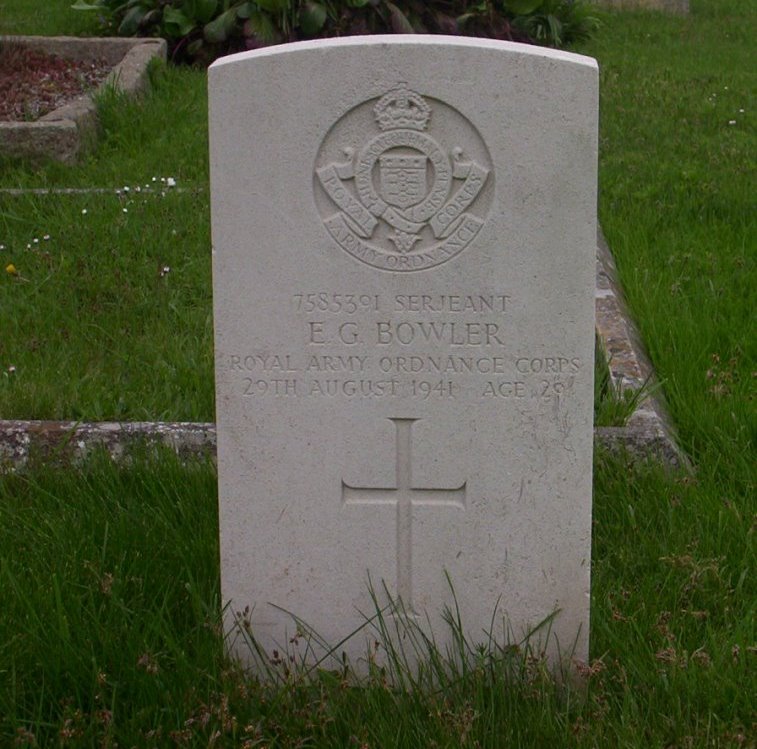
{"points": [[421, 389]]}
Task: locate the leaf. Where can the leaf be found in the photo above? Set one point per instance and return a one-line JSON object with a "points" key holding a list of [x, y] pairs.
{"points": [[399, 22], [200, 11], [149, 18], [274, 6], [244, 11], [261, 26], [357, 3], [522, 7], [194, 47], [555, 29], [312, 18], [445, 23], [175, 22], [132, 19], [219, 29]]}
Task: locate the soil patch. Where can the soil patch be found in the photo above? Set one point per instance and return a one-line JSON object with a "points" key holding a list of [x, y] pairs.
{"points": [[34, 83]]}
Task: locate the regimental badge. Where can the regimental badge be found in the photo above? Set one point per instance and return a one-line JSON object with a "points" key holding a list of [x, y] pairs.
{"points": [[400, 200]]}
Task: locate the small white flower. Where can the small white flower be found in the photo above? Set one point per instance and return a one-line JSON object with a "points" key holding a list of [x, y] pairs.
{"points": [[118, 192], [171, 182], [126, 188], [2, 247], [11, 369], [731, 122], [83, 211], [154, 179], [35, 240], [162, 179], [125, 210], [46, 237], [741, 111], [138, 188], [28, 247]]}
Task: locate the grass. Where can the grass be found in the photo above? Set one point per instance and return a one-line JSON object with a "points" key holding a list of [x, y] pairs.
{"points": [[111, 635], [119, 316], [677, 206], [109, 592], [50, 18], [131, 325]]}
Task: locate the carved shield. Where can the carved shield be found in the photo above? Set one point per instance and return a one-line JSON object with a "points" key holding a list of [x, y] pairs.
{"points": [[403, 179]]}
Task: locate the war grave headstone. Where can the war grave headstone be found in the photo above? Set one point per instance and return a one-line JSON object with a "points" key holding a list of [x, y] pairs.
{"points": [[404, 235]]}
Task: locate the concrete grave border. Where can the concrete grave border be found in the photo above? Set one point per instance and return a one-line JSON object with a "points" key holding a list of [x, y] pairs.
{"points": [[648, 434], [666, 6], [64, 133], [649, 431]]}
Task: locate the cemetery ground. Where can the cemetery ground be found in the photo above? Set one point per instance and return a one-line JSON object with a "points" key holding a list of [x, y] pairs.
{"points": [[109, 591]]}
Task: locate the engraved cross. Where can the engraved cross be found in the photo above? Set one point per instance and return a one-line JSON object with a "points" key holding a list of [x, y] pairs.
{"points": [[405, 497]]}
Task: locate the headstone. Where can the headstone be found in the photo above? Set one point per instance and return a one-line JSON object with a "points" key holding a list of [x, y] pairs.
{"points": [[404, 237]]}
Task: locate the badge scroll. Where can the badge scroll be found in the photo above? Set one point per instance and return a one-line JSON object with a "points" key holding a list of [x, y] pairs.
{"points": [[400, 200]]}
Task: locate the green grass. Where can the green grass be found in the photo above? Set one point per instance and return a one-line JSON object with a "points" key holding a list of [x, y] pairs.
{"points": [[109, 578], [677, 207], [95, 325], [46, 18], [110, 629], [93, 301]]}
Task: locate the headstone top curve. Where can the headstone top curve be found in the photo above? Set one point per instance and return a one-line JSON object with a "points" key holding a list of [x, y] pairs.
{"points": [[400, 40]]}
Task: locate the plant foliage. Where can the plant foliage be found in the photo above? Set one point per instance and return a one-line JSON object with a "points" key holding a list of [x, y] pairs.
{"points": [[200, 30]]}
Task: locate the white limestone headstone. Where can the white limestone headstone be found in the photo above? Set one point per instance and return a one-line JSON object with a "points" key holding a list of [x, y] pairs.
{"points": [[404, 235]]}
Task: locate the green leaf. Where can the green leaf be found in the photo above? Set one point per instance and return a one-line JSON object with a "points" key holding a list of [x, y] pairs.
{"points": [[245, 10], [522, 7], [151, 17], [357, 3], [312, 18], [132, 19], [400, 24], [219, 29], [555, 30], [274, 6], [200, 11], [194, 47], [175, 22], [261, 26]]}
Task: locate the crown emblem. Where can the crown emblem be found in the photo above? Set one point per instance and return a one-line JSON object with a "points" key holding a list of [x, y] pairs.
{"points": [[402, 109]]}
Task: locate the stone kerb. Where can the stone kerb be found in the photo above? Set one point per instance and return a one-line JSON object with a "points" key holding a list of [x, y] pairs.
{"points": [[649, 432], [63, 133], [668, 6]]}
